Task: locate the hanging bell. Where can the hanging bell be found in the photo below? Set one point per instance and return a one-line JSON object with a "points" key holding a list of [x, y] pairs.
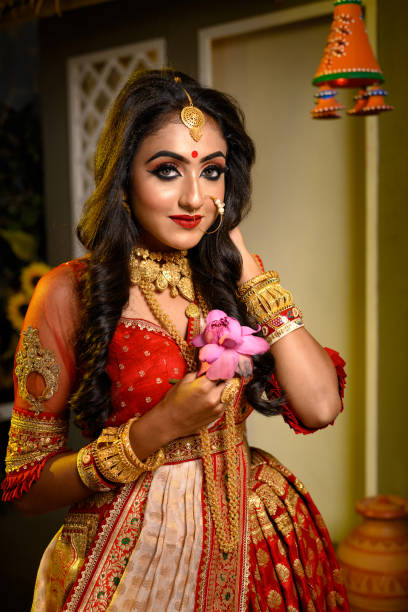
{"points": [[327, 106], [361, 101], [348, 60], [375, 101]]}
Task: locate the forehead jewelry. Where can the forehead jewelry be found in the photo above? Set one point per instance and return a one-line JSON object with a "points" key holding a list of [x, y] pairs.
{"points": [[194, 154], [191, 116]]}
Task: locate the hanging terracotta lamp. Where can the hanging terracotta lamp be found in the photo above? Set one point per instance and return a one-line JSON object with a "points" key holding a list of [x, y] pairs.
{"points": [[327, 106], [348, 60]]}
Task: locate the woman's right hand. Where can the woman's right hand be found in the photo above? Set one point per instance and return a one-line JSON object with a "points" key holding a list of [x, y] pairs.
{"points": [[191, 404]]}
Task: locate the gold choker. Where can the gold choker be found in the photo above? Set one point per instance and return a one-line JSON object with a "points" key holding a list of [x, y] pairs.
{"points": [[162, 271]]}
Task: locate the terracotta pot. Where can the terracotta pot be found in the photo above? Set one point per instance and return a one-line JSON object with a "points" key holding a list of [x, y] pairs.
{"points": [[374, 556]]}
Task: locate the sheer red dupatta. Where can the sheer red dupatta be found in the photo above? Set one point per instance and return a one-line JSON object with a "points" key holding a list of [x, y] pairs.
{"points": [[44, 377]]}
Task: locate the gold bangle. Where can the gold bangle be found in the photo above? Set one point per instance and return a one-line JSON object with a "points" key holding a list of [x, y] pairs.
{"points": [[264, 296], [111, 459], [284, 330], [272, 275], [88, 473], [151, 463]]}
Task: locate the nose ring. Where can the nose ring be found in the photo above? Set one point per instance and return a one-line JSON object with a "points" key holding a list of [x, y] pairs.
{"points": [[220, 207]]}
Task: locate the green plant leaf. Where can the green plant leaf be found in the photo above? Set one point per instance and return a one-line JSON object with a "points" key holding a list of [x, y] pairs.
{"points": [[24, 245]]}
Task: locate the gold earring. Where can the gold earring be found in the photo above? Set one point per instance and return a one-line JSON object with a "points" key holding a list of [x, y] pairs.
{"points": [[126, 207], [220, 206]]}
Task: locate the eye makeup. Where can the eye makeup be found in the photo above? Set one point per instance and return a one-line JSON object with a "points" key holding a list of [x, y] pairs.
{"points": [[168, 171]]}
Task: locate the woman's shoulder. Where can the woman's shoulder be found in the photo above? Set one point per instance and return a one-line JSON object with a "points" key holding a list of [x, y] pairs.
{"points": [[57, 291], [64, 276]]}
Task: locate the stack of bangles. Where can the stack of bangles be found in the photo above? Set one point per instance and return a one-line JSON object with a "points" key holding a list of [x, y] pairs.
{"points": [[110, 461], [271, 305]]}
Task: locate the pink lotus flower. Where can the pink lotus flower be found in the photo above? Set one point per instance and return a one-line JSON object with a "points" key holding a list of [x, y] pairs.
{"points": [[226, 347]]}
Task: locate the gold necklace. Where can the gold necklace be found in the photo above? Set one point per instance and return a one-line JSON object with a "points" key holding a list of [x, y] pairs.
{"points": [[150, 276], [163, 271]]}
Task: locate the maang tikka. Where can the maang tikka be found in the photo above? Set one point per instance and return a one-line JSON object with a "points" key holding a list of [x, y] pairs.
{"points": [[192, 117]]}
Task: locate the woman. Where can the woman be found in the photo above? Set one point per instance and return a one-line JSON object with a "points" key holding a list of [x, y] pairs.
{"points": [[170, 508]]}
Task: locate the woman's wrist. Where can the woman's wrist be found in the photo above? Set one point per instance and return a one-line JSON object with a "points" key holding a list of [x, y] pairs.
{"points": [[271, 305], [151, 432]]}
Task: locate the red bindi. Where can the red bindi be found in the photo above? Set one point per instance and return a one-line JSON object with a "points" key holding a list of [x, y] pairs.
{"points": [[194, 154]]}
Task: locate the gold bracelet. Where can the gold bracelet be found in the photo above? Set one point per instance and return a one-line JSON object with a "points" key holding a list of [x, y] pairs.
{"points": [[88, 473], [271, 276], [151, 463], [110, 458], [264, 296]]}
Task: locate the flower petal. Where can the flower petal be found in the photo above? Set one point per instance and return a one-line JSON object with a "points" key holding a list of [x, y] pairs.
{"points": [[247, 331], [234, 328], [253, 345], [198, 340], [211, 352], [223, 367], [229, 342], [215, 315]]}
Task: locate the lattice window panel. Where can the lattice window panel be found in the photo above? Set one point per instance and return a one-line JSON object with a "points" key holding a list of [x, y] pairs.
{"points": [[94, 80]]}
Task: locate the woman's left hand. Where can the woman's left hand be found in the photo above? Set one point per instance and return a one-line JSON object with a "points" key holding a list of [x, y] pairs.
{"points": [[303, 368], [249, 266]]}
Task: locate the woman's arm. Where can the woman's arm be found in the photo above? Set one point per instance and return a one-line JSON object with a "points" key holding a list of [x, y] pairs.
{"points": [[59, 484], [304, 370]]}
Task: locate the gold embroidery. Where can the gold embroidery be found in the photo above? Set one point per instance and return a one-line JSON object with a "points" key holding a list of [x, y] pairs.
{"points": [[33, 358], [298, 567], [284, 524], [331, 599], [69, 554], [262, 558], [338, 576], [282, 549], [274, 599], [31, 439], [282, 571], [188, 448], [97, 499], [274, 479]]}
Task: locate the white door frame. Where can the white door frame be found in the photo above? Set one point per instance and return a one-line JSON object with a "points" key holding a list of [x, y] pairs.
{"points": [[206, 37]]}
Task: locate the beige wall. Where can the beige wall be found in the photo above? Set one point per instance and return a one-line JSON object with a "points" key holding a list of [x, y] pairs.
{"points": [[307, 222]]}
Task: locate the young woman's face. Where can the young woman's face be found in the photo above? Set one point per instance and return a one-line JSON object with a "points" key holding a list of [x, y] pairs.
{"points": [[173, 179]]}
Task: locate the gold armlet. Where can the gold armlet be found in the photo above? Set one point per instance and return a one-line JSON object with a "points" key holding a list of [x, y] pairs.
{"points": [[30, 358], [88, 473]]}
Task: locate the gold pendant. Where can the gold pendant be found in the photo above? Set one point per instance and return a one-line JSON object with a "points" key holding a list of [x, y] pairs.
{"points": [[192, 310], [186, 288]]}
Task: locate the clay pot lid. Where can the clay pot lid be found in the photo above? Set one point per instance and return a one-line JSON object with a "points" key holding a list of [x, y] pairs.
{"points": [[383, 507]]}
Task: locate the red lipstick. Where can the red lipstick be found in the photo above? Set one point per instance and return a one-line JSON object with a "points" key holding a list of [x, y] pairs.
{"points": [[187, 221]]}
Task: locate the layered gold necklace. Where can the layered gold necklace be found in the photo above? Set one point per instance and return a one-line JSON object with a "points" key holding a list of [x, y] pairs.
{"points": [[156, 271]]}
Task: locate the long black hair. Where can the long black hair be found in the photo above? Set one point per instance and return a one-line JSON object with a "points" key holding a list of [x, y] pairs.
{"points": [[109, 233]]}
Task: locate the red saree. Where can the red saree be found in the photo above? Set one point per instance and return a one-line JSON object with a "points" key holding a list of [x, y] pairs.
{"points": [[151, 544]]}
